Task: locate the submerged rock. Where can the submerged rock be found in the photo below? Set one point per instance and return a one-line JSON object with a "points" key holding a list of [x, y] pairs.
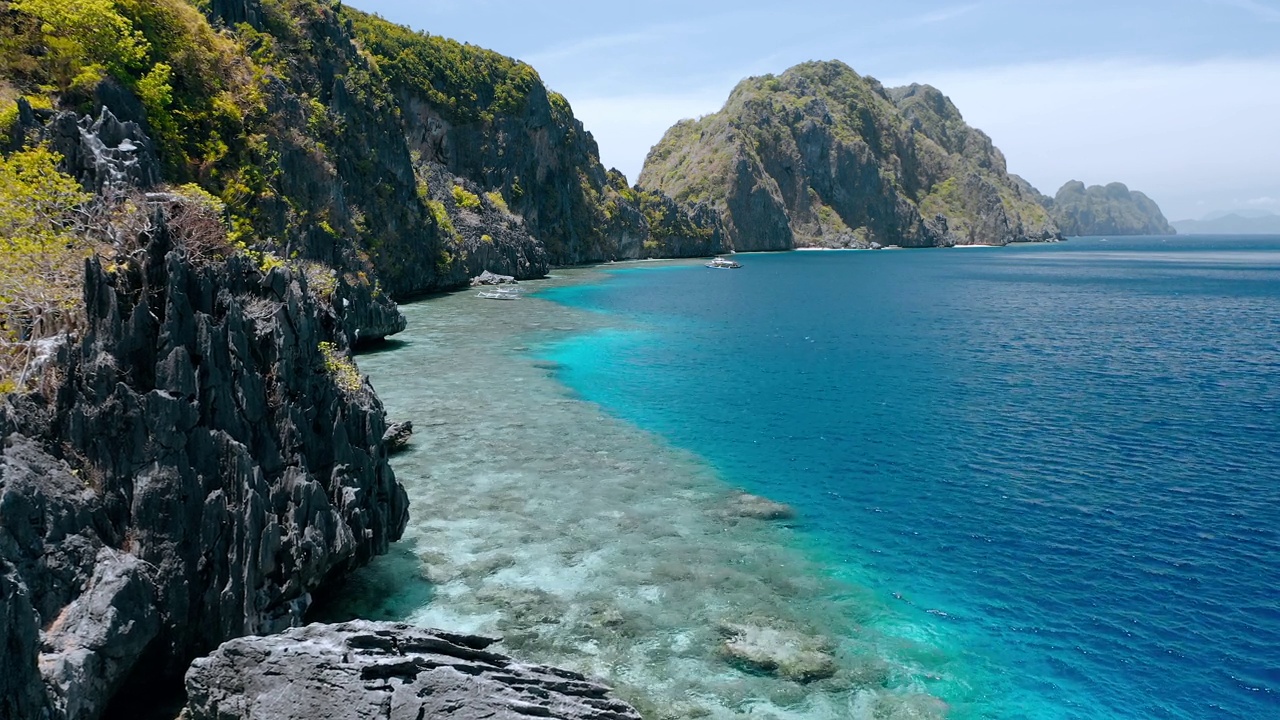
{"points": [[760, 508], [785, 653], [361, 670]]}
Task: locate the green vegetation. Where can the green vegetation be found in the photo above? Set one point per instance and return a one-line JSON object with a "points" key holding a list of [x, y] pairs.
{"points": [[465, 200], [42, 254], [441, 215], [341, 369], [466, 83], [498, 201]]}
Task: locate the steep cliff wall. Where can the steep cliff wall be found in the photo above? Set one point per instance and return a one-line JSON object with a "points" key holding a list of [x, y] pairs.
{"points": [[194, 465], [821, 156]]}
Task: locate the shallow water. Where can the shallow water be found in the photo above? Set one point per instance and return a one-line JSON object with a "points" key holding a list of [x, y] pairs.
{"points": [[1034, 482], [586, 542]]}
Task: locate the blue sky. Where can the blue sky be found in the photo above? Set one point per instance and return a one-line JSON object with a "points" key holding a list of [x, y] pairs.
{"points": [[1179, 99]]}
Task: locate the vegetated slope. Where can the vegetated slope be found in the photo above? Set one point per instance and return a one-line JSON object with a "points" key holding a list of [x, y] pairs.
{"points": [[486, 135], [821, 156], [334, 136], [1110, 210]]}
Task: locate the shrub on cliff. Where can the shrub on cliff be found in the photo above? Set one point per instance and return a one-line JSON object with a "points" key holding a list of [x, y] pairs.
{"points": [[42, 255]]}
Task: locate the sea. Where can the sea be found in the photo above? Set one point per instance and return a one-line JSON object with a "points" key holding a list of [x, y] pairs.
{"points": [[1039, 481]]}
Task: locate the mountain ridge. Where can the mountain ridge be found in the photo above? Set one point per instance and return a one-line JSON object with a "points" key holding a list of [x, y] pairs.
{"points": [[1231, 224], [821, 156], [1113, 209]]}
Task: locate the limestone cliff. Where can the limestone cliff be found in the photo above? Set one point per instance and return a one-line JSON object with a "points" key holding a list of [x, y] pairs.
{"points": [[1110, 210], [189, 470], [821, 156]]}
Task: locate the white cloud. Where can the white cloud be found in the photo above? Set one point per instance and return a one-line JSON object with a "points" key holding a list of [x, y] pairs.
{"points": [[944, 14], [592, 47], [1262, 202]]}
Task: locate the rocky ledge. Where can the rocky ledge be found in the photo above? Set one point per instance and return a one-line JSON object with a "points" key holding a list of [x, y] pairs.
{"points": [[364, 670]]}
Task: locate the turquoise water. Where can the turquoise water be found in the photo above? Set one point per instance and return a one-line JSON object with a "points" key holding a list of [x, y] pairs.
{"points": [[1051, 470]]}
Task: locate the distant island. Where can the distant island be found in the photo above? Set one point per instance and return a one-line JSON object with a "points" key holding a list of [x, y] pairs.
{"points": [[1243, 222], [821, 156], [1110, 210]]}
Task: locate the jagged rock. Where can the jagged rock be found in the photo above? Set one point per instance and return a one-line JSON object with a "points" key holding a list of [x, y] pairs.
{"points": [[93, 644], [785, 653], [196, 473], [488, 278], [754, 506], [22, 692], [103, 153], [397, 437], [361, 670]]}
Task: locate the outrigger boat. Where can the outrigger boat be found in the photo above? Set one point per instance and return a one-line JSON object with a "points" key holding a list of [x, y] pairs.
{"points": [[500, 293], [721, 263]]}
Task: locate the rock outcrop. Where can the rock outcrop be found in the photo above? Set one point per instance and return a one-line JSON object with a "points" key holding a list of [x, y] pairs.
{"points": [[1110, 210], [362, 670], [823, 157], [190, 472]]}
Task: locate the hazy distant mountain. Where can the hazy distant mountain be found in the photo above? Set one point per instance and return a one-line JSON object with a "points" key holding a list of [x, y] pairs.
{"points": [[1110, 210], [1246, 222]]}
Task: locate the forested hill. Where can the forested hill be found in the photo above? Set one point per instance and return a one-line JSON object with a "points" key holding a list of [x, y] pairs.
{"points": [[332, 135], [1109, 210], [822, 156]]}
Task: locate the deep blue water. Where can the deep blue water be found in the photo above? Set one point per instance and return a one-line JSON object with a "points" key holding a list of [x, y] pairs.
{"points": [[1056, 464]]}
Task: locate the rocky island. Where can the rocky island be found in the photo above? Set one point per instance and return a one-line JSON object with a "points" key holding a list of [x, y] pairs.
{"points": [[209, 206], [1110, 210], [821, 156]]}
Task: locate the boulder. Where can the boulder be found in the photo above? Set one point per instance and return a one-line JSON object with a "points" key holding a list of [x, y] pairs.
{"points": [[361, 670], [397, 437], [488, 278], [788, 654]]}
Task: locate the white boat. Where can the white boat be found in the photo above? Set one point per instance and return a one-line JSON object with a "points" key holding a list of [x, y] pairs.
{"points": [[723, 264], [500, 293]]}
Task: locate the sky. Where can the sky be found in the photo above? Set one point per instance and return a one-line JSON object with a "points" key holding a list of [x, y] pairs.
{"points": [[1178, 98]]}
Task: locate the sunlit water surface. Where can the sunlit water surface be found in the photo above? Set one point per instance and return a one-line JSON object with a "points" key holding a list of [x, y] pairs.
{"points": [[1031, 482]]}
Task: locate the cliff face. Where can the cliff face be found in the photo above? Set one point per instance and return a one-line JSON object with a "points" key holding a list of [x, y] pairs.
{"points": [[822, 157], [485, 123], [1110, 210], [191, 470]]}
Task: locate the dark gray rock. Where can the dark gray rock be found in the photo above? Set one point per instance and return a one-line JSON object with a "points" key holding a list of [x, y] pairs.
{"points": [[488, 278], [104, 154], [194, 475], [93, 644], [362, 670], [397, 437]]}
